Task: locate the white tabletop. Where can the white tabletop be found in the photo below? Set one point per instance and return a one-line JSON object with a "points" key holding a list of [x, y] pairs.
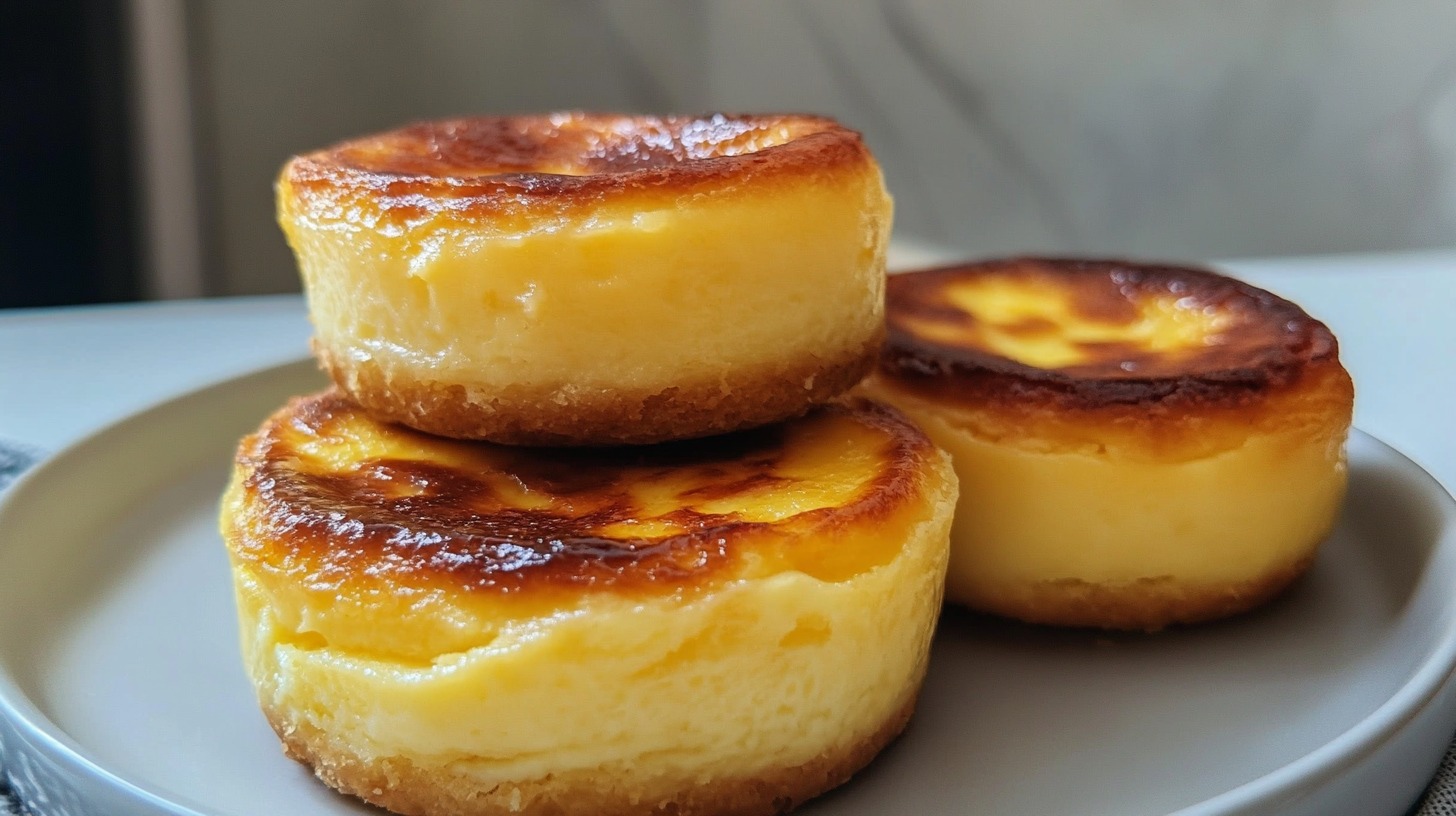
{"points": [[66, 372]]}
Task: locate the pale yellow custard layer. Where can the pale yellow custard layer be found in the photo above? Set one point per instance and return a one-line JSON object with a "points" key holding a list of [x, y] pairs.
{"points": [[624, 296], [1032, 517], [761, 674]]}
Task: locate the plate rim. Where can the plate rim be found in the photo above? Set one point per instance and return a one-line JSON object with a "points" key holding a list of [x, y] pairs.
{"points": [[21, 715], [1376, 729], [35, 732]]}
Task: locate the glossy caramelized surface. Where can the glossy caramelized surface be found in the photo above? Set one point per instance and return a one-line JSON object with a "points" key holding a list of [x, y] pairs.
{"points": [[445, 626], [570, 144], [559, 160], [349, 500], [1095, 332]]}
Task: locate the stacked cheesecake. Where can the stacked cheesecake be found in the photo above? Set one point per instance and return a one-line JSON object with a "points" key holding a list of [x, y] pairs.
{"points": [[586, 523]]}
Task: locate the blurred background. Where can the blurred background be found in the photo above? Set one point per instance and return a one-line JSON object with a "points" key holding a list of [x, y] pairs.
{"points": [[141, 137]]}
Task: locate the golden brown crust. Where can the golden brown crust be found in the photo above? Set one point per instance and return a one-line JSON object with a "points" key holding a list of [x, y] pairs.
{"points": [[407, 788], [551, 164], [743, 398], [388, 525], [1270, 344], [1147, 604]]}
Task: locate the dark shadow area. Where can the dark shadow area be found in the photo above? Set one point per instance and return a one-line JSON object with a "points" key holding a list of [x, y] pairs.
{"points": [[67, 206]]}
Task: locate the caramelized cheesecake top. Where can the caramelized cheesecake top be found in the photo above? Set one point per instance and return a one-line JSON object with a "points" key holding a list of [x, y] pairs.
{"points": [[342, 500], [1089, 333], [502, 165]]}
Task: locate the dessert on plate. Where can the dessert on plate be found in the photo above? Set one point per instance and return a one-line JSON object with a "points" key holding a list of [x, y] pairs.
{"points": [[1138, 444], [713, 589], [724, 625]]}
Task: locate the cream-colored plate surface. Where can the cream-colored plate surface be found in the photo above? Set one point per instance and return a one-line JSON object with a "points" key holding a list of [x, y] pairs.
{"points": [[121, 690]]}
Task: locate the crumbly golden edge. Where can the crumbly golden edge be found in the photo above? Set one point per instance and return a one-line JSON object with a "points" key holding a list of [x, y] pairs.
{"points": [[746, 398], [1320, 402], [1147, 604], [406, 787]]}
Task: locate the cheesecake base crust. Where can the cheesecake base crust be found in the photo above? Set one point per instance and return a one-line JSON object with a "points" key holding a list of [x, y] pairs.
{"points": [[549, 416], [405, 787], [1146, 604]]}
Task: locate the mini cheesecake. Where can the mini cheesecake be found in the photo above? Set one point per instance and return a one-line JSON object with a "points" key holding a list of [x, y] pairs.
{"points": [[1138, 445], [592, 279], [730, 625]]}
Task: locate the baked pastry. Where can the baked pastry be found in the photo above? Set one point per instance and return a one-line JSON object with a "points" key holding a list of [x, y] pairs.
{"points": [[580, 279], [1138, 444], [730, 625]]}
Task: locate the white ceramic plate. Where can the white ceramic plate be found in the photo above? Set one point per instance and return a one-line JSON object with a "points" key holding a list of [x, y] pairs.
{"points": [[121, 690]]}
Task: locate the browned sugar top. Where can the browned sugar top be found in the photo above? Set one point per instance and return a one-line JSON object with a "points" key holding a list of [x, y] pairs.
{"points": [[1093, 332], [487, 165], [338, 494]]}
